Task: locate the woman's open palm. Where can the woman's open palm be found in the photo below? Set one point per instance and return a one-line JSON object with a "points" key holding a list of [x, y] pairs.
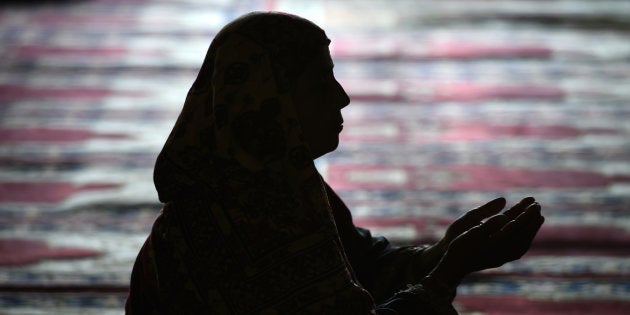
{"points": [[500, 239]]}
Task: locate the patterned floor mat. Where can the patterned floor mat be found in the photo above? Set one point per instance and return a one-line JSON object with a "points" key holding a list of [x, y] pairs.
{"points": [[453, 103]]}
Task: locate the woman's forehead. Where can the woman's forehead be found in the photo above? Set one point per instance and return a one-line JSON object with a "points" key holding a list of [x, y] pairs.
{"points": [[324, 58]]}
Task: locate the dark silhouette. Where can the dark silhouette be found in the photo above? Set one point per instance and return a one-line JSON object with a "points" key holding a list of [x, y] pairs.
{"points": [[250, 227]]}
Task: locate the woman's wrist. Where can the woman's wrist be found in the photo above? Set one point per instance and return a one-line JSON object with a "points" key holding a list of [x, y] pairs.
{"points": [[438, 249], [444, 275], [434, 284]]}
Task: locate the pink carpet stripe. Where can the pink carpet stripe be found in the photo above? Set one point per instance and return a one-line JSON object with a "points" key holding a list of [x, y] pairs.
{"points": [[471, 132], [396, 49], [53, 135], [431, 92], [45, 192], [18, 252], [520, 305], [139, 159], [460, 177], [459, 131], [81, 19], [37, 51], [11, 93], [574, 239]]}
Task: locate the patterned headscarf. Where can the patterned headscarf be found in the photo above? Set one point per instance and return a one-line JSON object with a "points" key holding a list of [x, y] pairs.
{"points": [[239, 108], [254, 230]]}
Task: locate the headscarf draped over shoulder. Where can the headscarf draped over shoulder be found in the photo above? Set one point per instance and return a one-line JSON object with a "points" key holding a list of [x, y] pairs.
{"points": [[247, 224]]}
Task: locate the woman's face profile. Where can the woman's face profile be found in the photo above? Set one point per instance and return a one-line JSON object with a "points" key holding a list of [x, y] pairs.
{"points": [[318, 99]]}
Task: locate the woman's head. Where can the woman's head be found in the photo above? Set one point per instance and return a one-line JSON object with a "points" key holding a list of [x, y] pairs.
{"points": [[318, 99], [302, 67], [265, 99], [290, 41]]}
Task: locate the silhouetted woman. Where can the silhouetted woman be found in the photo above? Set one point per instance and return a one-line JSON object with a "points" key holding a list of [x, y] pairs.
{"points": [[250, 227]]}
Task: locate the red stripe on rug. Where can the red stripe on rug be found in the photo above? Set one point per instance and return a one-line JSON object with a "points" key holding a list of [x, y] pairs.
{"points": [[586, 236], [45, 192], [17, 135], [26, 51], [10, 93], [392, 131], [458, 178], [546, 305], [414, 91], [146, 159], [35, 51], [19, 252], [577, 239], [471, 132], [481, 51], [91, 19], [486, 177], [382, 48]]}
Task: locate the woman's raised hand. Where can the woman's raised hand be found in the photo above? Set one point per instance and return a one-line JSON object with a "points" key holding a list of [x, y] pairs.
{"points": [[469, 220], [502, 238], [474, 217], [472, 245]]}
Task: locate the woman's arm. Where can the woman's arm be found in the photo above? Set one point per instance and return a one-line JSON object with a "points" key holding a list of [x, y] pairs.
{"points": [[384, 269], [381, 268]]}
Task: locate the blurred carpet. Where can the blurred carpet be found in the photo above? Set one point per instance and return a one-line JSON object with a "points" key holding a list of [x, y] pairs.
{"points": [[453, 104]]}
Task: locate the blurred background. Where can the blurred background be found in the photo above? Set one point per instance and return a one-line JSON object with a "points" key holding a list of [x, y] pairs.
{"points": [[454, 103]]}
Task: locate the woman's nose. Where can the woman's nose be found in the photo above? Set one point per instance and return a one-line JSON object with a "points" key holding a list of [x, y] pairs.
{"points": [[344, 98]]}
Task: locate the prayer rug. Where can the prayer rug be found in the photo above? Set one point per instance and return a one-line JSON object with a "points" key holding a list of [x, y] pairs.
{"points": [[453, 103]]}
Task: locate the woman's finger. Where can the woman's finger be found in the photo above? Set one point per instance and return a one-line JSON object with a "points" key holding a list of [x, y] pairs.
{"points": [[522, 221], [531, 212], [534, 226], [518, 208], [524, 240], [474, 216], [494, 224]]}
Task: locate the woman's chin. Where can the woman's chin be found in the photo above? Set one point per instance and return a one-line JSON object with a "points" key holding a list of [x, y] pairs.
{"points": [[323, 150], [333, 146]]}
